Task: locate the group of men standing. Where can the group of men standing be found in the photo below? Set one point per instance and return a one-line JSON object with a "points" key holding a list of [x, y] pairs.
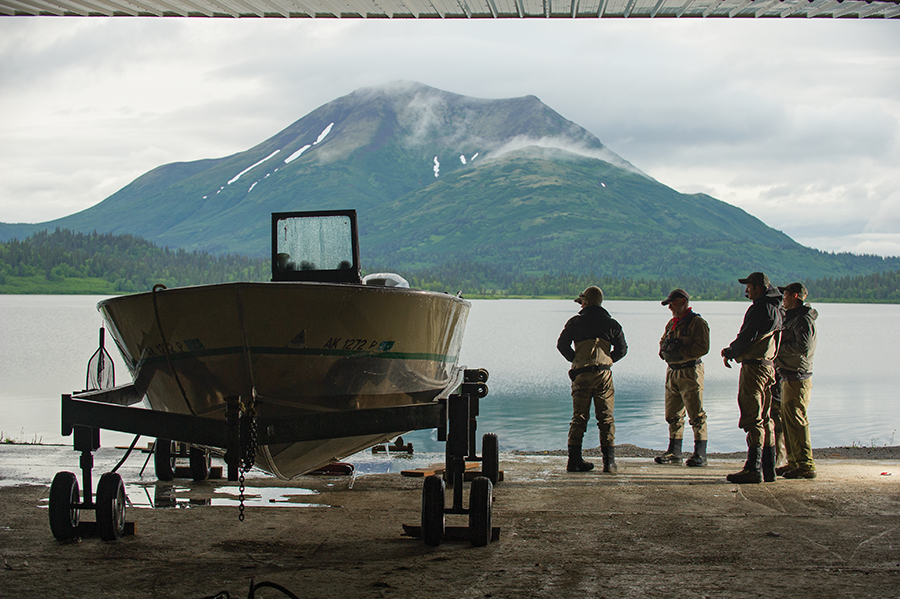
{"points": [[777, 339]]}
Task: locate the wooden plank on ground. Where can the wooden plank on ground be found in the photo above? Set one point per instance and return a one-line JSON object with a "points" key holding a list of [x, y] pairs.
{"points": [[435, 469]]}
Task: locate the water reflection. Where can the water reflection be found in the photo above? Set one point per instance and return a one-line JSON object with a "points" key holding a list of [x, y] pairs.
{"points": [[174, 496]]}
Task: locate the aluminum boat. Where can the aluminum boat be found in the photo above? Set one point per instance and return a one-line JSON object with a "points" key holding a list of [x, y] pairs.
{"points": [[318, 338]]}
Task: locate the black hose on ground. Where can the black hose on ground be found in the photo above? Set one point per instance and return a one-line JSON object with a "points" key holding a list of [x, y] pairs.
{"points": [[127, 453], [252, 593]]}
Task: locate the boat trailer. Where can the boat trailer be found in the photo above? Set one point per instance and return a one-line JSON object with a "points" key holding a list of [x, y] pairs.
{"points": [[85, 413]]}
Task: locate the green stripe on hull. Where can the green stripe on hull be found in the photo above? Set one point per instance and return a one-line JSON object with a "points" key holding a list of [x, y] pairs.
{"points": [[291, 351]]}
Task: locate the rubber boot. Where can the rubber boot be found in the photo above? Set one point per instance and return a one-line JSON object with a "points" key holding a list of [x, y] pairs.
{"points": [[751, 472], [767, 462], [781, 458], [609, 459], [698, 458], [576, 463], [672, 454]]}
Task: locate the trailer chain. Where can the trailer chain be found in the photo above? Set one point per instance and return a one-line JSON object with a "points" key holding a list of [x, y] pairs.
{"points": [[249, 456]]}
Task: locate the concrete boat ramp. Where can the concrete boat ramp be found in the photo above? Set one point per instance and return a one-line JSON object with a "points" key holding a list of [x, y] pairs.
{"points": [[650, 531]]}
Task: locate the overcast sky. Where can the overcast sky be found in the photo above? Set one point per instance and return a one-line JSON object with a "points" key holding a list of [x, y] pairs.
{"points": [[795, 121]]}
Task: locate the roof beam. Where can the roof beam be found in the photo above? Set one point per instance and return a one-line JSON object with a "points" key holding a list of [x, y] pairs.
{"points": [[496, 9]]}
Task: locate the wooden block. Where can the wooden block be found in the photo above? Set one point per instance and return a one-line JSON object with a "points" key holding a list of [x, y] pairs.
{"points": [[435, 469], [147, 449]]}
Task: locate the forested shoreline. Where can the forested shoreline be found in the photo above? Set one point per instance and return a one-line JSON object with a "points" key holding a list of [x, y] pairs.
{"points": [[65, 262], [98, 263]]}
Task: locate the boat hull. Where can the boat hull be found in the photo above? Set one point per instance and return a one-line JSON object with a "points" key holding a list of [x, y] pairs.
{"points": [[294, 347]]}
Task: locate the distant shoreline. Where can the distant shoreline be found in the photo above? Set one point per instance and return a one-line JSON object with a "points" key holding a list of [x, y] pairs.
{"points": [[626, 450], [99, 293]]}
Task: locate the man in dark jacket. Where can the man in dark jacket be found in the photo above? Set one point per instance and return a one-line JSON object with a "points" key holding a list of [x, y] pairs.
{"points": [[754, 348], [794, 363], [598, 342]]}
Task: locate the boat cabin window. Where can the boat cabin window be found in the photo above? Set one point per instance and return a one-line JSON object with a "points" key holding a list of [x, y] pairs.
{"points": [[315, 246]]}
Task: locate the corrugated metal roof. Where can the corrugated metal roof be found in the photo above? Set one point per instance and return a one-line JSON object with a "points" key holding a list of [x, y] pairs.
{"points": [[461, 9]]}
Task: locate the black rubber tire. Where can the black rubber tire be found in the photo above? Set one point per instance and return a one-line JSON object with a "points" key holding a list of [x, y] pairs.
{"points": [[64, 510], [111, 506], [200, 461], [433, 520], [164, 459], [481, 499], [490, 457]]}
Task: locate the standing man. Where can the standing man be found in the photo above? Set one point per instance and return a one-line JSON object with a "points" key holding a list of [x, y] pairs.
{"points": [[685, 341], [754, 347], [598, 343], [794, 363]]}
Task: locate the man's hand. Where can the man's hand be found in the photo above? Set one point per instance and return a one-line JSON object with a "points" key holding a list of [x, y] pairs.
{"points": [[725, 359]]}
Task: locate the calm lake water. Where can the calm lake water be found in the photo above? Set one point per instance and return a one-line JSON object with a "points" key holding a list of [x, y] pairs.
{"points": [[47, 341]]}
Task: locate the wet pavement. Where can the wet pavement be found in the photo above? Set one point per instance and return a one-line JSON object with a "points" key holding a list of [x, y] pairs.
{"points": [[650, 531]]}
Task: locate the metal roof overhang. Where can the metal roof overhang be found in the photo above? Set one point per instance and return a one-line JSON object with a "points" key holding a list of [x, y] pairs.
{"points": [[459, 9]]}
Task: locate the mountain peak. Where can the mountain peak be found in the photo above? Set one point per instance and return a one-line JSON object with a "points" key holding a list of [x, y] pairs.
{"points": [[438, 176]]}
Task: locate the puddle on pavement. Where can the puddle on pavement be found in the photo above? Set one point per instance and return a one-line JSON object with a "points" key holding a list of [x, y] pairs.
{"points": [[167, 496], [175, 496]]}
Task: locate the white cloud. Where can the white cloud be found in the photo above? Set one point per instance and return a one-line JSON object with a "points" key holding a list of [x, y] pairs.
{"points": [[604, 154], [797, 122], [887, 216], [883, 244]]}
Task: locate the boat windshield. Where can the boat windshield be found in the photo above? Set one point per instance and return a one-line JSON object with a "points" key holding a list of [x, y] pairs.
{"points": [[315, 247]]}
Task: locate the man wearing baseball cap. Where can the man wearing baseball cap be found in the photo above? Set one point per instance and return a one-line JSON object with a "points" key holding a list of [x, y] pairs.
{"points": [[684, 342], [794, 362], [754, 348], [598, 343]]}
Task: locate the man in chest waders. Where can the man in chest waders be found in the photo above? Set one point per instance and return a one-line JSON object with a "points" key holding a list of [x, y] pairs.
{"points": [[754, 348], [592, 341], [684, 342]]}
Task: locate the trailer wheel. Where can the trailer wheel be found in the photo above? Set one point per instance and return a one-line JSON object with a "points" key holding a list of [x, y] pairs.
{"points": [[480, 503], [200, 461], [490, 457], [64, 511], [164, 459], [433, 511], [111, 506]]}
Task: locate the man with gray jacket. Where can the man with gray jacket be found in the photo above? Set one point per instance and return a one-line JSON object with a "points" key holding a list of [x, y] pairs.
{"points": [[794, 362]]}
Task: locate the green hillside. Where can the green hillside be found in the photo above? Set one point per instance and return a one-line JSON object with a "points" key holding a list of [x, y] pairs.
{"points": [[508, 187], [537, 212]]}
